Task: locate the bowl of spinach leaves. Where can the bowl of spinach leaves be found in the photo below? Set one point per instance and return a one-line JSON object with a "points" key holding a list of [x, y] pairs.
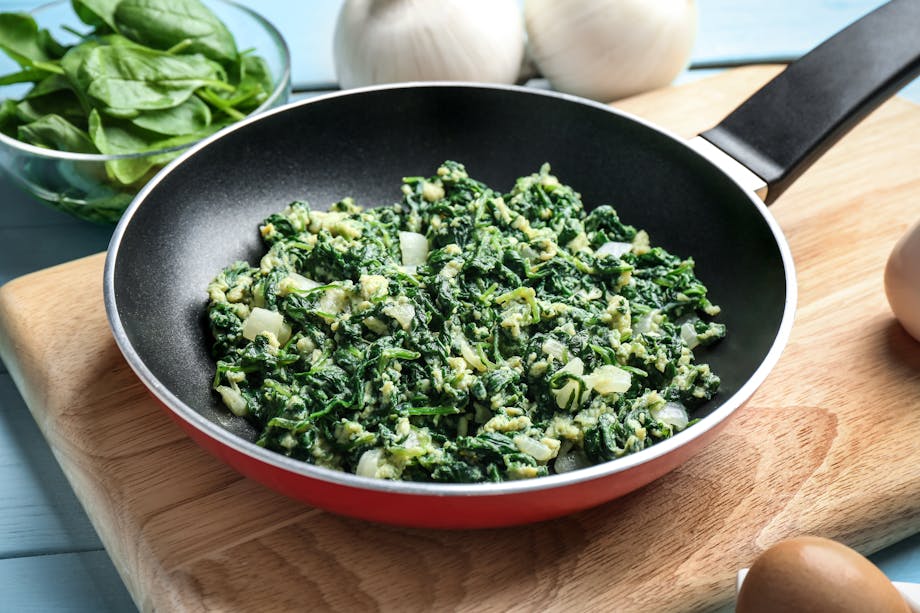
{"points": [[96, 96]]}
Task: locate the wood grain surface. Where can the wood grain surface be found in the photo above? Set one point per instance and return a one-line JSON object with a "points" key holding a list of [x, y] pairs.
{"points": [[827, 446]]}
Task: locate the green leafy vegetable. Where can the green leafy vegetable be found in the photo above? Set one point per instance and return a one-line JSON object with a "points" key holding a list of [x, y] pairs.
{"points": [[55, 132], [462, 334], [191, 117], [149, 75], [255, 74], [164, 24], [54, 96], [119, 137], [98, 13], [26, 75], [139, 79], [26, 112], [8, 114], [49, 85], [20, 40], [168, 65], [115, 140]]}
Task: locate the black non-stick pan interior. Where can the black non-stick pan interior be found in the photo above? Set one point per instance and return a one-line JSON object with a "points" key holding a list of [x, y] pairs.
{"points": [[204, 214]]}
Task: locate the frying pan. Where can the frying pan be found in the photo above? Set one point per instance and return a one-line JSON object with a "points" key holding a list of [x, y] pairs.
{"points": [[695, 198]]}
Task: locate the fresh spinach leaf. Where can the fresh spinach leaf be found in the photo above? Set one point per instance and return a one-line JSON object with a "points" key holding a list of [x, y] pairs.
{"points": [[26, 113], [192, 116], [255, 71], [33, 109], [120, 113], [70, 64], [20, 40], [117, 40], [163, 24], [254, 85], [61, 102], [48, 85], [112, 139], [115, 140], [73, 61], [220, 104], [96, 12], [131, 78], [74, 58], [8, 116], [116, 137], [55, 132], [26, 75], [53, 49]]}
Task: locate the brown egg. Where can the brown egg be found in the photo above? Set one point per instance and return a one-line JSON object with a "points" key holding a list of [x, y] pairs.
{"points": [[902, 281], [816, 575]]}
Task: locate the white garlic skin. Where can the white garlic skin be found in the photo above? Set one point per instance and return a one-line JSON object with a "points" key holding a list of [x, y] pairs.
{"points": [[902, 281], [389, 41], [610, 49]]}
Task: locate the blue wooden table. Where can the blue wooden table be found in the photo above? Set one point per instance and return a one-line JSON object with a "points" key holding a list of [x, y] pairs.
{"points": [[50, 556]]}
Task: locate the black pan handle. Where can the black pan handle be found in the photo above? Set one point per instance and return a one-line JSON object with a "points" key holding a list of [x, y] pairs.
{"points": [[790, 122]]}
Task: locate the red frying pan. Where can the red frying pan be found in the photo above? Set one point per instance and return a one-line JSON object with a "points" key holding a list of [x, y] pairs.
{"points": [[700, 198]]}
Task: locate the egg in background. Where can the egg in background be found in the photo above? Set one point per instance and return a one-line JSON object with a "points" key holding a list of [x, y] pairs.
{"points": [[816, 575], [902, 281]]}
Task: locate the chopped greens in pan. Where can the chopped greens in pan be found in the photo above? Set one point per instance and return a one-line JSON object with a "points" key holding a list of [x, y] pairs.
{"points": [[461, 335]]}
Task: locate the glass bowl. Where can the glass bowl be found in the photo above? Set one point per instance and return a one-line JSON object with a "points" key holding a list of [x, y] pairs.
{"points": [[83, 184]]}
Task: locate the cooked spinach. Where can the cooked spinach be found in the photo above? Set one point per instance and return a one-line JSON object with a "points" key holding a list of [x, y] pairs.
{"points": [[149, 74], [461, 334]]}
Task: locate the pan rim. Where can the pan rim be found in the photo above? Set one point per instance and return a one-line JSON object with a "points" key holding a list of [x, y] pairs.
{"points": [[339, 478]]}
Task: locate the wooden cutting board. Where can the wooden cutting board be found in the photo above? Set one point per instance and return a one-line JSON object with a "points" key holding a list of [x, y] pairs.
{"points": [[829, 445]]}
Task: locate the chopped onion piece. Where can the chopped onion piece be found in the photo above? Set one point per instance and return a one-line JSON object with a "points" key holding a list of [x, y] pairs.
{"points": [[689, 335], [672, 413], [609, 379], [367, 465], [574, 366], [471, 357], [564, 393], [234, 400], [646, 323], [554, 348], [535, 449], [414, 247], [614, 248], [402, 312], [296, 282], [262, 320]]}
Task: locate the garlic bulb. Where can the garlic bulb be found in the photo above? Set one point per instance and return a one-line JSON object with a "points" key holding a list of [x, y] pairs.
{"points": [[609, 49], [385, 41]]}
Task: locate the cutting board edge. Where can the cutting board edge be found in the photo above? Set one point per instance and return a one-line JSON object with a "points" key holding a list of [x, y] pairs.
{"points": [[13, 291], [19, 289]]}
